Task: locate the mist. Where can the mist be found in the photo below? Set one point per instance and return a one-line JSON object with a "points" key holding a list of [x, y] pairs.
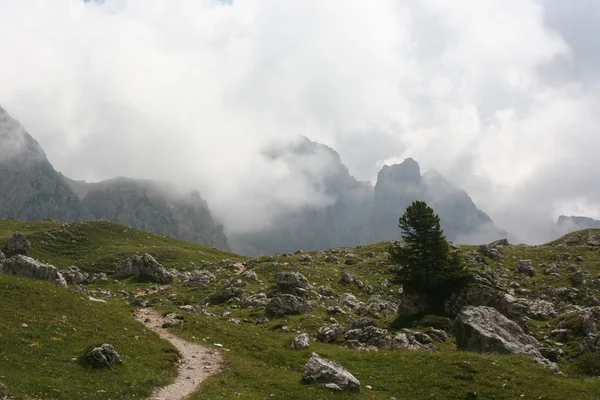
{"points": [[502, 97]]}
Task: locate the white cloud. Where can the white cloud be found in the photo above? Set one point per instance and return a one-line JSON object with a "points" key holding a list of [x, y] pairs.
{"points": [[193, 90]]}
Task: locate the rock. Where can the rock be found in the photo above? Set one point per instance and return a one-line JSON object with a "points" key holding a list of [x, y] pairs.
{"points": [[375, 306], [2, 259], [285, 304], [27, 267], [578, 278], [368, 335], [525, 267], [437, 334], [17, 244], [412, 304], [485, 330], [103, 356], [499, 243], [541, 310], [552, 353], [198, 278], [588, 323], [330, 258], [324, 372], [188, 308], [335, 310], [404, 341], [305, 258], [172, 319], [325, 291], [143, 267], [74, 276], [348, 277], [490, 252], [139, 303], [350, 301], [292, 283], [328, 333], [362, 323], [256, 300], [301, 341], [250, 276], [223, 295]]}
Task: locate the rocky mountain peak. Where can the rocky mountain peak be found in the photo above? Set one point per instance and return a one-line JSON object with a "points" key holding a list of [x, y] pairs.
{"points": [[406, 173]]}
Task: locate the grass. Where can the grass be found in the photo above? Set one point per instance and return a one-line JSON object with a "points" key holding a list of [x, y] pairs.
{"points": [[261, 363], [39, 361]]}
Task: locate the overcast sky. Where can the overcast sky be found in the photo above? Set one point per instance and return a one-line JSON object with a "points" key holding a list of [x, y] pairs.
{"points": [[501, 96]]}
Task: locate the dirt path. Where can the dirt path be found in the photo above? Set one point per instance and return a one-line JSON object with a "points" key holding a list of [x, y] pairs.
{"points": [[197, 362]]}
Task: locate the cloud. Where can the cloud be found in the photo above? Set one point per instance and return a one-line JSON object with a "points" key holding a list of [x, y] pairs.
{"points": [[501, 96]]}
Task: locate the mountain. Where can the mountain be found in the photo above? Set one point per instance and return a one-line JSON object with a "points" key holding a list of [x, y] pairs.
{"points": [[570, 224], [358, 213], [31, 190], [30, 187], [338, 222], [400, 184], [153, 206]]}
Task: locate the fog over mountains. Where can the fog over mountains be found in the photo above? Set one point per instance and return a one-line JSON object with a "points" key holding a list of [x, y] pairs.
{"points": [[349, 213]]}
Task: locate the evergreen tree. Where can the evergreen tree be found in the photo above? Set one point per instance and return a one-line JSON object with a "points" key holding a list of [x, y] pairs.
{"points": [[425, 261]]}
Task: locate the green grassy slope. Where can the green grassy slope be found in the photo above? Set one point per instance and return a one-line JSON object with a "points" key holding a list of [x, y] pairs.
{"points": [[261, 363]]}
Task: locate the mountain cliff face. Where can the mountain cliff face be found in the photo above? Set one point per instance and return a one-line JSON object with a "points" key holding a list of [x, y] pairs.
{"points": [[30, 188], [340, 222], [155, 207], [570, 224], [360, 214]]}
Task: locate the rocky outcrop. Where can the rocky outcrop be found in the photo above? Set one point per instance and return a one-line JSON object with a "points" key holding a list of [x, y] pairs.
{"points": [[143, 267], [17, 244], [292, 283], [103, 356], [197, 277], [329, 374], [485, 330], [156, 207], [30, 187], [286, 304], [27, 267]]}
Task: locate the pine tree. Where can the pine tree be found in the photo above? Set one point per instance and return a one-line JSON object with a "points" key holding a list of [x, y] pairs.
{"points": [[425, 261]]}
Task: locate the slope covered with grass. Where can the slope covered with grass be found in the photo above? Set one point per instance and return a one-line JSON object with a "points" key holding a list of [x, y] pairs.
{"points": [[261, 362]]}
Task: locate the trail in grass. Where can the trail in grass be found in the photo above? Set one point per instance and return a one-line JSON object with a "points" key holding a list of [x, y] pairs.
{"points": [[197, 362]]}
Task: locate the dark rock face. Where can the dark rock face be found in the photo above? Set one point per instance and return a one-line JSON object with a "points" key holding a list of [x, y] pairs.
{"points": [[155, 207], [30, 188], [358, 213]]}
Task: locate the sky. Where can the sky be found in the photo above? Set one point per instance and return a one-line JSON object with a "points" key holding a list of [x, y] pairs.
{"points": [[500, 96]]}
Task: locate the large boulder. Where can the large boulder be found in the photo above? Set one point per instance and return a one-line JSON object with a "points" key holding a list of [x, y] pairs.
{"points": [[27, 267], [485, 330], [103, 356], [370, 335], [143, 267], [412, 304], [525, 267], [198, 277], [328, 333], [330, 374], [292, 283], [74, 276], [17, 244], [285, 304]]}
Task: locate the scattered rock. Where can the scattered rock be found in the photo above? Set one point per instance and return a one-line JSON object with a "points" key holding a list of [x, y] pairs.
{"points": [[370, 335], [350, 301], [325, 291], [285, 304], [301, 341], [27, 267], [223, 295], [250, 276], [330, 374], [348, 277], [525, 267], [17, 244], [328, 333], [103, 356], [188, 308], [305, 258], [292, 283], [143, 267], [256, 300], [74, 276], [198, 277], [335, 310]]}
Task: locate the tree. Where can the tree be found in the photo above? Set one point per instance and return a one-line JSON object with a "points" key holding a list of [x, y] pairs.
{"points": [[426, 263]]}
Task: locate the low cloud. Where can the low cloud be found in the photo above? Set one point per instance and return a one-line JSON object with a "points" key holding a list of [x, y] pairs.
{"points": [[500, 96]]}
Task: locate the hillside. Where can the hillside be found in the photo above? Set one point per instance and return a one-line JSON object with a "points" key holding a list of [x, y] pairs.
{"points": [[234, 313]]}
